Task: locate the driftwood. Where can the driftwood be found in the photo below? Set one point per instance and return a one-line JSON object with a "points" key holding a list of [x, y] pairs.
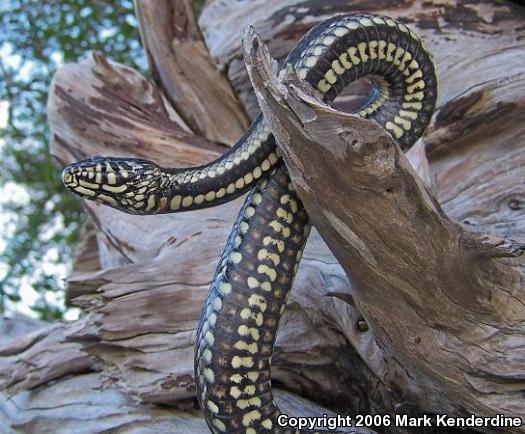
{"points": [[451, 299], [432, 320], [89, 403]]}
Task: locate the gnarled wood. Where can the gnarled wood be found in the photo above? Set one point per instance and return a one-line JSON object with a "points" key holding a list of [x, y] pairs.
{"points": [[88, 403], [445, 304], [143, 288], [198, 89]]}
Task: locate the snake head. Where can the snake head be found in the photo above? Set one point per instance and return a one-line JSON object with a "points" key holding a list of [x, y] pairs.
{"points": [[127, 184]]}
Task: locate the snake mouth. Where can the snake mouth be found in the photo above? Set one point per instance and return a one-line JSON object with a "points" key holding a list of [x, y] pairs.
{"points": [[122, 183]]}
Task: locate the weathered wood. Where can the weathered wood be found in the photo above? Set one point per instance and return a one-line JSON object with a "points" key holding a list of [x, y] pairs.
{"points": [[104, 108], [39, 357], [144, 287], [445, 304], [471, 40], [180, 62], [88, 403]]}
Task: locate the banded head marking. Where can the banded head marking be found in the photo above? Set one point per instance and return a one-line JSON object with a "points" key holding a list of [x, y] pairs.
{"points": [[128, 184]]}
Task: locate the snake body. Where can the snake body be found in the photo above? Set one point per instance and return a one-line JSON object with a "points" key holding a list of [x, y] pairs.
{"points": [[240, 318]]}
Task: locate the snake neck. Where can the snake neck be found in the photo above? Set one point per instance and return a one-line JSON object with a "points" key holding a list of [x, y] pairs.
{"points": [[252, 158]]}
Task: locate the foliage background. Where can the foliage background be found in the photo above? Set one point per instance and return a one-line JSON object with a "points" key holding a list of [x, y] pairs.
{"points": [[39, 221]]}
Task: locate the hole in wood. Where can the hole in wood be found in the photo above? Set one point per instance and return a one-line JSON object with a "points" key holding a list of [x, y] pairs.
{"points": [[515, 205], [362, 325]]}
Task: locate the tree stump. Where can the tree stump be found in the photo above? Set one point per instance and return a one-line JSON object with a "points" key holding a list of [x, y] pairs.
{"points": [[410, 298]]}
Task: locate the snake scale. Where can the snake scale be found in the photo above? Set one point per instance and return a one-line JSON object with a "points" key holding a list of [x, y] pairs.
{"points": [[239, 322]]}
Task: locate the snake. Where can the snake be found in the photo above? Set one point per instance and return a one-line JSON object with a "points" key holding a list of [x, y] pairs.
{"points": [[240, 318]]}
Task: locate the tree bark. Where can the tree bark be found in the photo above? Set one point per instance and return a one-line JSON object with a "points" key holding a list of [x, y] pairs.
{"points": [[424, 315]]}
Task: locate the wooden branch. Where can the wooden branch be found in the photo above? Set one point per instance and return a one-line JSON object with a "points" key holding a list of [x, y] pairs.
{"points": [[191, 80], [143, 286], [39, 357], [100, 107], [445, 304]]}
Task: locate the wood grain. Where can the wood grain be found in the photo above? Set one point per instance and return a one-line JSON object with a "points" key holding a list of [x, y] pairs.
{"points": [[426, 314]]}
